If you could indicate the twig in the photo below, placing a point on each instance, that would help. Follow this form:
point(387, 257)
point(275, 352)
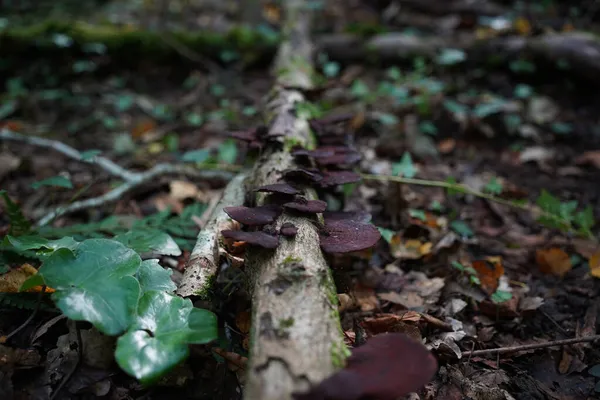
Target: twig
point(132, 179)
point(525, 347)
point(460, 188)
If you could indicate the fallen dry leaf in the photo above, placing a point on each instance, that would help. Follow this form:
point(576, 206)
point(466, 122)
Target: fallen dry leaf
point(182, 190)
point(594, 262)
point(143, 128)
point(553, 261)
point(446, 146)
point(13, 279)
point(489, 272)
point(365, 298)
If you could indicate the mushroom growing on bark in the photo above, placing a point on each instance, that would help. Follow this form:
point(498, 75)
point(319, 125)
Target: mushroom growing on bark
point(261, 215)
point(258, 238)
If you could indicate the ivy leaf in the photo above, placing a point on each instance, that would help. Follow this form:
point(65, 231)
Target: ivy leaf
point(25, 243)
point(55, 181)
point(94, 282)
point(405, 167)
point(158, 340)
point(149, 240)
point(154, 277)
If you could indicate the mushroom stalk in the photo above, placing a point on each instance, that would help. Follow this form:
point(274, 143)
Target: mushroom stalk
point(296, 336)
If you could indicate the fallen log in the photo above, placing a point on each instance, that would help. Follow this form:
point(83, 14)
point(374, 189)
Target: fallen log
point(296, 339)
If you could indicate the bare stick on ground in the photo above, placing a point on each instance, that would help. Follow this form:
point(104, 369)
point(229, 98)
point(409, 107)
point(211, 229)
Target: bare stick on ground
point(533, 346)
point(296, 338)
point(131, 179)
point(204, 260)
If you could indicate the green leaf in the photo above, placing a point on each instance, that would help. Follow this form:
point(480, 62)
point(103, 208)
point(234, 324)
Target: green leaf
point(154, 277)
point(227, 152)
point(8, 108)
point(595, 371)
point(387, 119)
point(386, 234)
point(331, 69)
point(500, 296)
point(405, 167)
point(359, 89)
point(461, 228)
point(55, 181)
point(124, 102)
point(585, 219)
point(455, 189)
point(158, 340)
point(483, 110)
point(418, 214)
point(198, 156)
point(24, 243)
point(89, 155)
point(451, 57)
point(19, 225)
point(561, 128)
point(523, 91)
point(428, 127)
point(493, 186)
point(393, 73)
point(149, 240)
point(194, 119)
point(458, 266)
point(95, 283)
point(455, 107)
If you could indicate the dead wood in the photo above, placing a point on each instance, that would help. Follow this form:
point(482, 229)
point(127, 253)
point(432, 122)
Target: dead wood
point(203, 264)
point(295, 338)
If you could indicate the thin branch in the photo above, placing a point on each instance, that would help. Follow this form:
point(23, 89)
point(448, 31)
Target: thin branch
point(461, 188)
point(131, 179)
point(109, 166)
point(525, 347)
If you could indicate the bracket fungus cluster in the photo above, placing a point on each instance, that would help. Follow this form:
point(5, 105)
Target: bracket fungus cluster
point(322, 168)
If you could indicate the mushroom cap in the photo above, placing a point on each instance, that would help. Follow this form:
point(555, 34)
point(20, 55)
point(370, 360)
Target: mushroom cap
point(261, 215)
point(307, 206)
point(303, 175)
point(257, 238)
point(358, 216)
point(332, 178)
point(279, 188)
point(346, 236)
point(288, 229)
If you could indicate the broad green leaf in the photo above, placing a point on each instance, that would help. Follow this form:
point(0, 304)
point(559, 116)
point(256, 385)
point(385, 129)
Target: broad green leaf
point(150, 240)
point(55, 181)
point(461, 228)
point(24, 243)
point(393, 73)
point(405, 167)
point(458, 266)
point(595, 371)
point(194, 119)
point(483, 110)
point(124, 102)
point(359, 89)
point(95, 283)
point(428, 127)
point(585, 218)
point(197, 156)
point(154, 277)
point(562, 128)
point(158, 340)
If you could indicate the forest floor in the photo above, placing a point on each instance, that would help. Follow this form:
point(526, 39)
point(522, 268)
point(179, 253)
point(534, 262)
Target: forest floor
point(463, 272)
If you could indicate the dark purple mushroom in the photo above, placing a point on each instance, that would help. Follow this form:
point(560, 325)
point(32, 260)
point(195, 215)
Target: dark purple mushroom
point(303, 175)
point(358, 216)
point(261, 215)
point(249, 135)
point(339, 159)
point(288, 229)
point(346, 236)
point(279, 188)
point(257, 238)
point(389, 366)
point(332, 178)
point(307, 206)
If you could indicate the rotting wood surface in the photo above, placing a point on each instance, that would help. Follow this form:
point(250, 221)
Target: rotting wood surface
point(296, 338)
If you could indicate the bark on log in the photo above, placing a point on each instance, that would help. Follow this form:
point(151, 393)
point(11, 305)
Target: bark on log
point(296, 338)
point(203, 264)
point(580, 50)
